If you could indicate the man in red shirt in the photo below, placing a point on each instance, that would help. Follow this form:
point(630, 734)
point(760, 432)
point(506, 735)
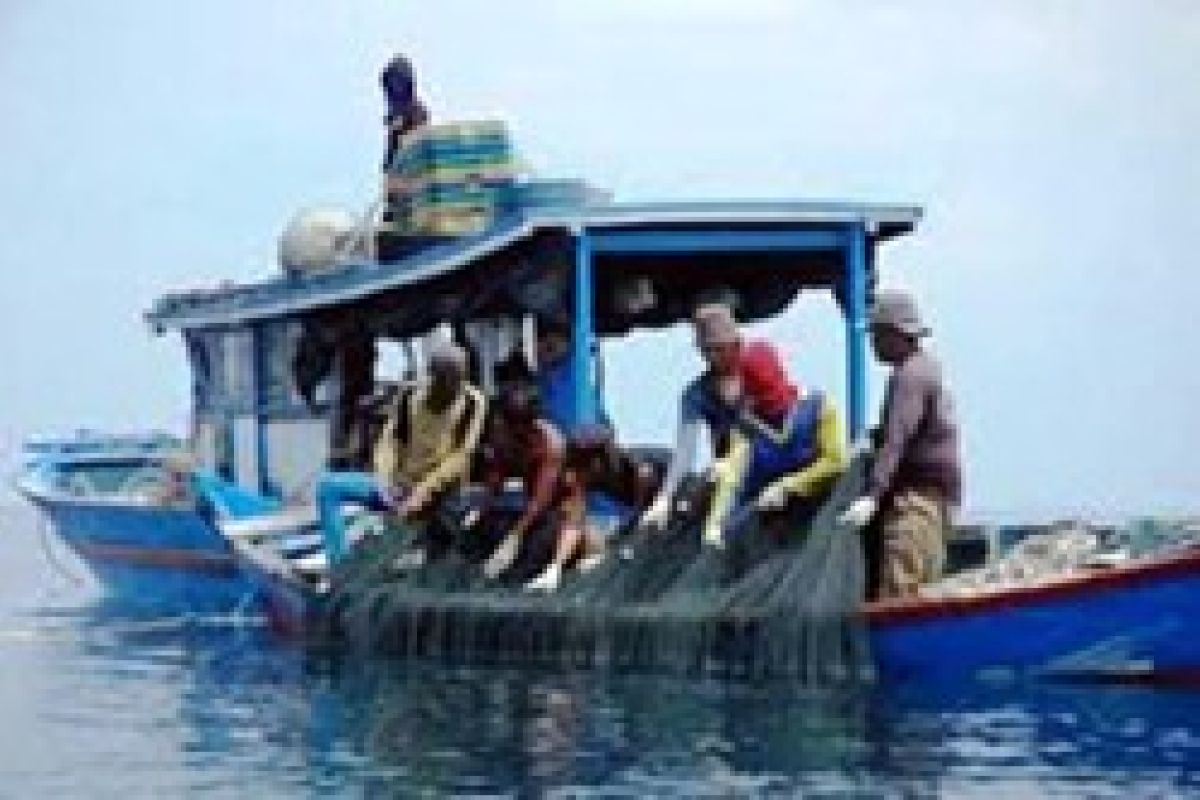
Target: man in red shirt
point(785, 446)
point(522, 444)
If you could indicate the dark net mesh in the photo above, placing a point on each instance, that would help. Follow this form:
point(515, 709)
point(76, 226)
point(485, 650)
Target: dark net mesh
point(780, 599)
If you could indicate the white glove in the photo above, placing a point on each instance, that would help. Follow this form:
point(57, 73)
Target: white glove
point(713, 537)
point(503, 557)
point(658, 515)
point(772, 497)
point(472, 518)
point(413, 503)
point(860, 447)
point(859, 513)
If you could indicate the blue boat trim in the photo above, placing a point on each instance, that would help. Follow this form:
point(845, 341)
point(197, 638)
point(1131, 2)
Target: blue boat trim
point(162, 557)
point(712, 241)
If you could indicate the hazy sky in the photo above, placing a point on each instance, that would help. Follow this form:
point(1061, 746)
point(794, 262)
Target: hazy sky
point(151, 146)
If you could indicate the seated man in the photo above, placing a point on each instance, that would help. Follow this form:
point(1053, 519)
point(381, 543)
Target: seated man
point(522, 444)
point(595, 464)
point(786, 445)
point(424, 450)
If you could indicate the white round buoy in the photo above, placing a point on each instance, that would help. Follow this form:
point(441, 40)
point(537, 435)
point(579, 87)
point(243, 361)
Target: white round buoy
point(319, 239)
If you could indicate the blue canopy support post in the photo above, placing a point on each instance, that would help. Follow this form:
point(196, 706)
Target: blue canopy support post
point(856, 328)
point(259, 343)
point(583, 333)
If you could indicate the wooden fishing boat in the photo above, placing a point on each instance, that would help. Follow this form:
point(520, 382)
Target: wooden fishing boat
point(1129, 620)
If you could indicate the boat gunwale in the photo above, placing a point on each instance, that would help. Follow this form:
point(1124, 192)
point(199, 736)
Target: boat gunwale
point(189, 559)
point(883, 613)
point(43, 496)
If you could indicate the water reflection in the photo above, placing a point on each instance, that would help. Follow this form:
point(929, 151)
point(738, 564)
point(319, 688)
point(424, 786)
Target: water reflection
point(159, 707)
point(469, 730)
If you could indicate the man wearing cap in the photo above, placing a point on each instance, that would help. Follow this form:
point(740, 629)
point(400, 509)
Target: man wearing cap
point(425, 449)
point(915, 479)
point(710, 400)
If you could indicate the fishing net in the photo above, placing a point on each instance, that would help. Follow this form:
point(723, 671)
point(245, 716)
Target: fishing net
point(780, 599)
point(1066, 550)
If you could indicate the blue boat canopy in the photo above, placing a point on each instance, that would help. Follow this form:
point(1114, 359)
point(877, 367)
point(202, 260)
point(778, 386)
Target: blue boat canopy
point(603, 268)
point(764, 251)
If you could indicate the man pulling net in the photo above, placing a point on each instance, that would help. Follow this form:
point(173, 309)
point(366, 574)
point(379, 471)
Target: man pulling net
point(683, 596)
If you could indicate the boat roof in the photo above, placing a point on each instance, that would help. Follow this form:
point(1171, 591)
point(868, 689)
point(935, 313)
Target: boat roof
point(289, 295)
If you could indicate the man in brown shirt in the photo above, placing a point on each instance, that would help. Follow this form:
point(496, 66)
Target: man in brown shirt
point(915, 478)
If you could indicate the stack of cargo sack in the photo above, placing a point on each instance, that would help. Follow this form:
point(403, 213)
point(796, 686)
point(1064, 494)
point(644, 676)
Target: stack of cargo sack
point(451, 179)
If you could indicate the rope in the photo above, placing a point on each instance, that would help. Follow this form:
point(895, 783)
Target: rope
point(52, 559)
point(361, 240)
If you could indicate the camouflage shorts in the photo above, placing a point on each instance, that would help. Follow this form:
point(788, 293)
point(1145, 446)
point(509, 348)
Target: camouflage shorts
point(914, 526)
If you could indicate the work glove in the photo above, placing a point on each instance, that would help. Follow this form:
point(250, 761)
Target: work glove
point(658, 515)
point(547, 581)
point(472, 518)
point(860, 447)
point(713, 536)
point(412, 504)
point(503, 557)
point(391, 497)
point(773, 497)
point(859, 513)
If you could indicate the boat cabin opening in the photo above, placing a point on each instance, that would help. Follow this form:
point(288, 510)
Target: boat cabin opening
point(281, 369)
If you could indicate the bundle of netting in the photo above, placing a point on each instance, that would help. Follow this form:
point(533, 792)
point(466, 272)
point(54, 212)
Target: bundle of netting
point(781, 598)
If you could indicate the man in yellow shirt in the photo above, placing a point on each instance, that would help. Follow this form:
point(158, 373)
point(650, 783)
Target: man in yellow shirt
point(424, 450)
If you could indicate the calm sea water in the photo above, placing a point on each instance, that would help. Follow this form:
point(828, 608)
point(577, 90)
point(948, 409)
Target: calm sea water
point(94, 703)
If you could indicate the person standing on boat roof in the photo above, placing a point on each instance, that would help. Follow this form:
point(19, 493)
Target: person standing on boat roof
point(915, 480)
point(786, 446)
point(424, 450)
point(405, 114)
point(711, 401)
point(405, 111)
